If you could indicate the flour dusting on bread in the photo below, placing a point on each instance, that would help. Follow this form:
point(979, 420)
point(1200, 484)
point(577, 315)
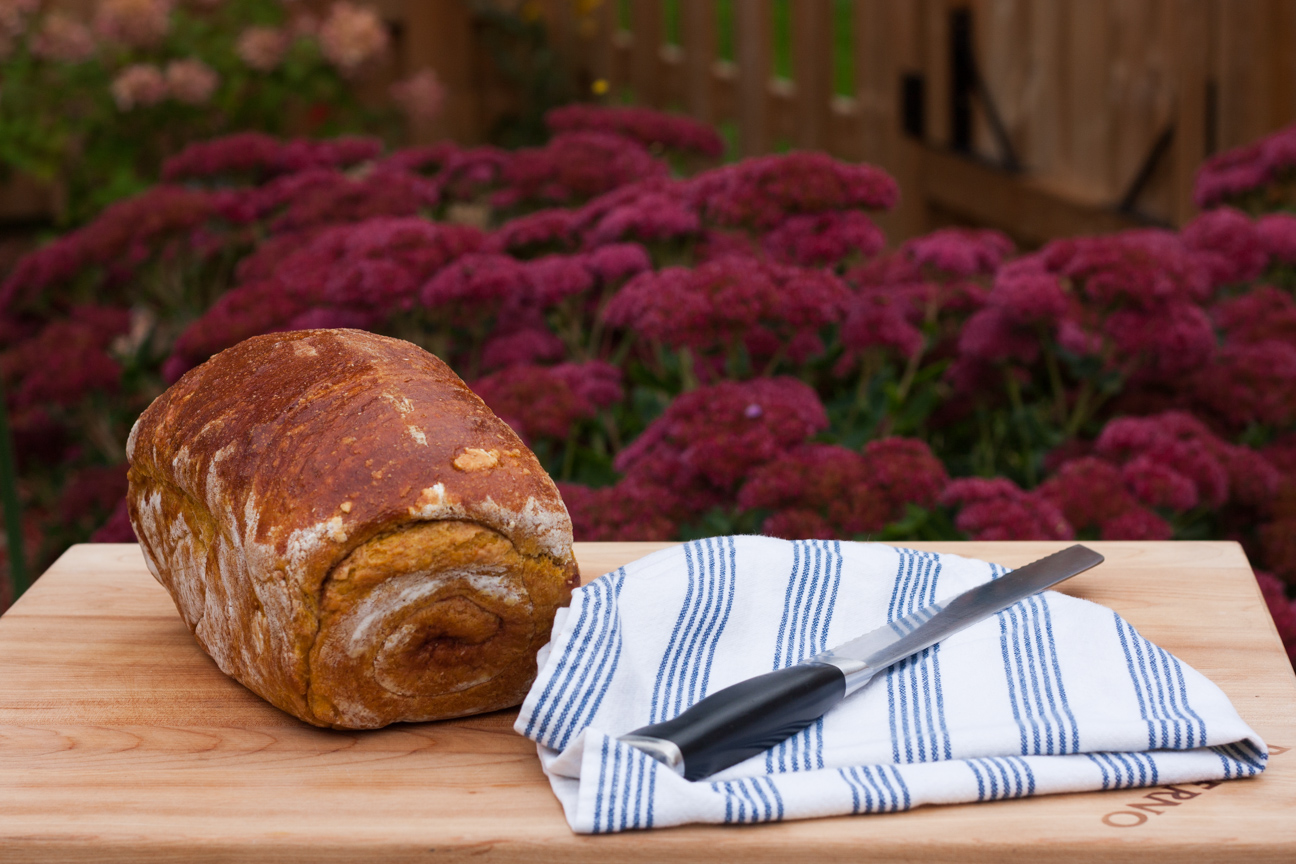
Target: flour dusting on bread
point(354, 567)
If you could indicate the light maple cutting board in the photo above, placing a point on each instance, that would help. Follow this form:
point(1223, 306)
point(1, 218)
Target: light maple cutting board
point(120, 741)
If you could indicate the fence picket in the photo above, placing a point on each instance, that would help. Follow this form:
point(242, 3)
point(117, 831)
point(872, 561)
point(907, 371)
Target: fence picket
point(1084, 88)
point(699, 37)
point(753, 33)
point(645, 52)
point(812, 63)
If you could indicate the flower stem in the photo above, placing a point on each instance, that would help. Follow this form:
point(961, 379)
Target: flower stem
point(687, 375)
point(1055, 381)
point(1019, 418)
point(569, 454)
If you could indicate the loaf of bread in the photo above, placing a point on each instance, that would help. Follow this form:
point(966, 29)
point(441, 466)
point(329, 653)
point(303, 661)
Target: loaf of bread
point(349, 531)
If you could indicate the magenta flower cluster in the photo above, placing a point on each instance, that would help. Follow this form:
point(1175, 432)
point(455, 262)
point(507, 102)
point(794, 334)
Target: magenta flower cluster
point(1259, 175)
point(731, 350)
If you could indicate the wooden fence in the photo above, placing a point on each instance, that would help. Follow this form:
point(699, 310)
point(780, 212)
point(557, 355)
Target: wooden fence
point(1041, 117)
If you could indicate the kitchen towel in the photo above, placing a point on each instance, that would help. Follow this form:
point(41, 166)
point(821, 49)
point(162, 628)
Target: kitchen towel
point(1055, 694)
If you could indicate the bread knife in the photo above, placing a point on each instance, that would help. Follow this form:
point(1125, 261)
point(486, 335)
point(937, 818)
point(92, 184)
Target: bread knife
point(752, 716)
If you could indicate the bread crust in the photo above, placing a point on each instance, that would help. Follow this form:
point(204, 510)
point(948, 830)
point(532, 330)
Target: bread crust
point(260, 472)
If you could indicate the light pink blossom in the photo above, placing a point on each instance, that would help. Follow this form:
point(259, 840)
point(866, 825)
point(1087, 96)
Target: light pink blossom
point(63, 39)
point(191, 81)
point(351, 35)
point(134, 23)
point(421, 96)
point(262, 48)
point(139, 86)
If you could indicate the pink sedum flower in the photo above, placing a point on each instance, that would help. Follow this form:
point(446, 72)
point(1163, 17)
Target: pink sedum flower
point(1250, 383)
point(1242, 170)
point(648, 127)
point(823, 239)
point(541, 401)
point(1159, 485)
point(421, 96)
point(118, 528)
point(648, 217)
point(904, 471)
point(258, 157)
point(574, 166)
point(874, 319)
point(800, 523)
point(596, 381)
point(721, 432)
point(1169, 343)
point(126, 234)
point(996, 509)
point(133, 23)
point(995, 336)
point(700, 307)
point(262, 48)
point(1089, 491)
point(618, 261)
point(480, 280)
point(554, 227)
point(63, 39)
point(1278, 234)
point(66, 360)
point(92, 491)
point(191, 81)
point(626, 511)
point(1137, 523)
point(818, 485)
point(1029, 298)
point(714, 244)
point(1146, 268)
point(763, 191)
point(1230, 173)
point(1176, 440)
point(1228, 244)
point(376, 265)
point(837, 492)
point(554, 278)
point(318, 197)
point(1254, 480)
point(351, 35)
point(807, 298)
point(138, 86)
point(527, 346)
point(960, 252)
point(1261, 314)
point(249, 310)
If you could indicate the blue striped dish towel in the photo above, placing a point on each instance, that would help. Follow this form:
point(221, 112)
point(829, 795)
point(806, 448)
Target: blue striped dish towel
point(1055, 694)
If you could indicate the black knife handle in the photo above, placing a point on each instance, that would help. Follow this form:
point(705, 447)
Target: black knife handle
point(748, 718)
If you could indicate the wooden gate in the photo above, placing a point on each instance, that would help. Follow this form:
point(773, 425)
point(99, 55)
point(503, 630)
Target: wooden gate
point(1041, 117)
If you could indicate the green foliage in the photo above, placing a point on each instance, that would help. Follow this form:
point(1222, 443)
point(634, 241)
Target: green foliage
point(59, 121)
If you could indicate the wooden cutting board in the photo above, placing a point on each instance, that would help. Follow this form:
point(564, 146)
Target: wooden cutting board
point(120, 741)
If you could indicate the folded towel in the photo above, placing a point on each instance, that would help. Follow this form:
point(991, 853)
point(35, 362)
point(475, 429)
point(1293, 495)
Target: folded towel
point(1054, 694)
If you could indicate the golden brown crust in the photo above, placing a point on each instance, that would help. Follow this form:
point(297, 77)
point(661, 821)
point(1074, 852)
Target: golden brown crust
point(262, 470)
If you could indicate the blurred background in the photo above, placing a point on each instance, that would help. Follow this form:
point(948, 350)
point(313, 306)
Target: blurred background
point(1040, 117)
point(1003, 269)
